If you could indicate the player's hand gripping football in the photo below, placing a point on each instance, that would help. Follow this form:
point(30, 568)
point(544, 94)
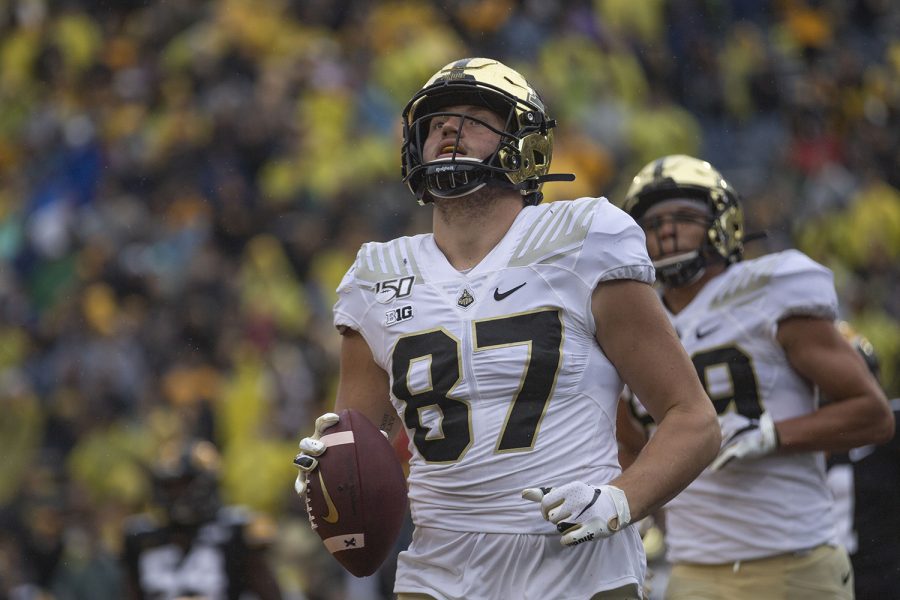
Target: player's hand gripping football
point(756, 440)
point(310, 449)
point(582, 512)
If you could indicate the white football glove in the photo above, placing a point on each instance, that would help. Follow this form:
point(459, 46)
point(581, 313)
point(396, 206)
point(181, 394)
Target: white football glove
point(582, 512)
point(753, 441)
point(310, 448)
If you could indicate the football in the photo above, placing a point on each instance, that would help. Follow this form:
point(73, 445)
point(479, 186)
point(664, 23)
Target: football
point(356, 498)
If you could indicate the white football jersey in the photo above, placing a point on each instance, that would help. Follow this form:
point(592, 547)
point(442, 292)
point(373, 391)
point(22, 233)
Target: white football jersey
point(495, 372)
point(776, 504)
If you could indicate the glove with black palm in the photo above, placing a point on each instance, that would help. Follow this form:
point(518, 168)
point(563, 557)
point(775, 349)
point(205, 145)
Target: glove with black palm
point(582, 512)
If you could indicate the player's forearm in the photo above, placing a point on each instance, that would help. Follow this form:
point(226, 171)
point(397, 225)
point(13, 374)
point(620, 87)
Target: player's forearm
point(839, 426)
point(380, 413)
point(630, 435)
point(685, 442)
point(364, 385)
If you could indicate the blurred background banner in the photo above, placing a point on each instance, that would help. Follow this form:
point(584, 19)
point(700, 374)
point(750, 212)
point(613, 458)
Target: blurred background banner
point(183, 184)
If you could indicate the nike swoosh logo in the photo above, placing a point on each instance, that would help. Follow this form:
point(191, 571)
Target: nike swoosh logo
point(332, 516)
point(702, 333)
point(591, 503)
point(564, 526)
point(846, 578)
point(498, 295)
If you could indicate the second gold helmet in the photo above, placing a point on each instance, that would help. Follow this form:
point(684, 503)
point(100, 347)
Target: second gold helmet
point(678, 176)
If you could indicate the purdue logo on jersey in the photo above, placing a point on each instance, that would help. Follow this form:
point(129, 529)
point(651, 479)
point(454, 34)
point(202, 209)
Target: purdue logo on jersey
point(466, 299)
point(390, 289)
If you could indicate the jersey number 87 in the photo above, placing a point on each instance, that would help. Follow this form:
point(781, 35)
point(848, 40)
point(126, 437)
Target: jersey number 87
point(540, 331)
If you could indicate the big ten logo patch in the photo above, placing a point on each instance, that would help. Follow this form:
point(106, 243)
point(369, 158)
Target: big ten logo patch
point(398, 315)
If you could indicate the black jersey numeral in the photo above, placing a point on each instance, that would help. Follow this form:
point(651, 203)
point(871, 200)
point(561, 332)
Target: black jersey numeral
point(744, 396)
point(744, 387)
point(541, 331)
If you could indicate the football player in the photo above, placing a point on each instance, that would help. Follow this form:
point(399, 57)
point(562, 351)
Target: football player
point(501, 340)
point(761, 335)
point(866, 486)
point(195, 547)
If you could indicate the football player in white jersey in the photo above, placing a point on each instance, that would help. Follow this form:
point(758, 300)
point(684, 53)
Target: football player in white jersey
point(761, 335)
point(865, 483)
point(502, 340)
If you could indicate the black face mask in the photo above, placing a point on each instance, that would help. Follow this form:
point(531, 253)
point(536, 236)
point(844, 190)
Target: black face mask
point(680, 266)
point(456, 175)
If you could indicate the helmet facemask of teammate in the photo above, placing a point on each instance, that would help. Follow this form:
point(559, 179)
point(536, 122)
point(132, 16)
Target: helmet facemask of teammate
point(694, 193)
point(676, 231)
point(521, 158)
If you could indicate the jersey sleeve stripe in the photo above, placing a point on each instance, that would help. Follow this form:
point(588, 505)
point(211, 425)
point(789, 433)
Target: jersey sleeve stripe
point(385, 261)
point(411, 257)
point(557, 234)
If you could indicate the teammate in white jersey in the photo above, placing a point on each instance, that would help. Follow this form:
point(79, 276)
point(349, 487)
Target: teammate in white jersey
point(502, 340)
point(761, 336)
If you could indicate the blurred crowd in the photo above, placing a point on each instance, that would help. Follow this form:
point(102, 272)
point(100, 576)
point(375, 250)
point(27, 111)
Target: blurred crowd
point(183, 184)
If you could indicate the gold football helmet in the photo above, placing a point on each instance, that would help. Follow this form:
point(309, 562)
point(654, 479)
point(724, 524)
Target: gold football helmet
point(522, 158)
point(683, 177)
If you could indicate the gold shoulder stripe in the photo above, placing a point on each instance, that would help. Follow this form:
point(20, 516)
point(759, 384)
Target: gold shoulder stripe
point(389, 260)
point(755, 276)
point(559, 231)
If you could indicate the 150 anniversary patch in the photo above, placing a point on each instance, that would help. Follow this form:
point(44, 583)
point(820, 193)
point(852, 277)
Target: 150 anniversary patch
point(390, 289)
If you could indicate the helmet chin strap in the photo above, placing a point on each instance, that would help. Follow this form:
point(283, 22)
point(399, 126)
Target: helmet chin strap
point(681, 269)
point(455, 177)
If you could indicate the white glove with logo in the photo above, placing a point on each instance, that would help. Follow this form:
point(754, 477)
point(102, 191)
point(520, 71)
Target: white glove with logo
point(310, 448)
point(756, 440)
point(582, 512)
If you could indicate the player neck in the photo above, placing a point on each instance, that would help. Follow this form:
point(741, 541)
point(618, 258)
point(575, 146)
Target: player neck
point(677, 298)
point(466, 229)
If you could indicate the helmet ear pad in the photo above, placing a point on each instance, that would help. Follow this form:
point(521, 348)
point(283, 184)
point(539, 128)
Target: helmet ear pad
point(529, 158)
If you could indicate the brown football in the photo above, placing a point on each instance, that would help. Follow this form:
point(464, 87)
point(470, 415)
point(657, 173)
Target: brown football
point(356, 498)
